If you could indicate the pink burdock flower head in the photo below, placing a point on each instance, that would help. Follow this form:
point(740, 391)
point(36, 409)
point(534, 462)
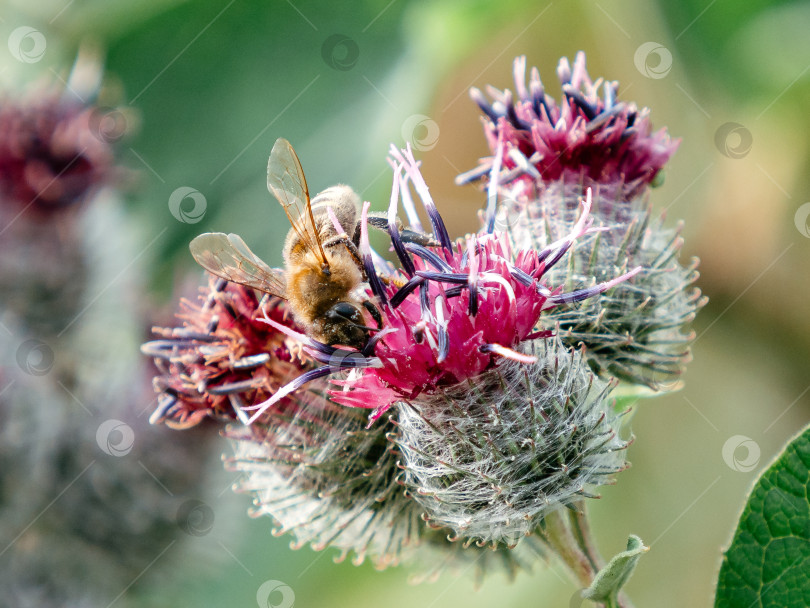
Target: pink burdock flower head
point(224, 358)
point(589, 137)
point(450, 313)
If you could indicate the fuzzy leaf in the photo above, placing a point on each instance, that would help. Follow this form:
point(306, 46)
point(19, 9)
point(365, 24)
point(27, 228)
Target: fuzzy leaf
point(610, 579)
point(768, 563)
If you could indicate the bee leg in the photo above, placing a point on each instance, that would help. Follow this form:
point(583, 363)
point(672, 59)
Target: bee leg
point(380, 222)
point(374, 312)
point(343, 239)
point(419, 238)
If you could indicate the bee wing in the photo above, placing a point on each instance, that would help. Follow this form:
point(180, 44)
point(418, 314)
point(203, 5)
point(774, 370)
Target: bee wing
point(229, 257)
point(286, 181)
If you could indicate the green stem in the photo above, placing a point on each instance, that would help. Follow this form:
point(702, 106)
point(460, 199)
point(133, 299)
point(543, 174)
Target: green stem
point(558, 536)
point(581, 530)
point(571, 539)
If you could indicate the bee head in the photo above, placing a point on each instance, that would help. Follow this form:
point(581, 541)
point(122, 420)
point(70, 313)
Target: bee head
point(345, 324)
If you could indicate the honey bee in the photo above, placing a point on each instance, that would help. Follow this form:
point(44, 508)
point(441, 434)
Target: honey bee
point(323, 268)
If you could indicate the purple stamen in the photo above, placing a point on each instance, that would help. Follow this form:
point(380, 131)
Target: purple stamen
point(560, 253)
point(424, 302)
point(377, 287)
point(429, 256)
point(579, 99)
point(406, 158)
point(519, 74)
point(441, 323)
point(444, 277)
point(473, 174)
point(405, 291)
point(478, 97)
point(393, 231)
point(588, 292)
point(604, 117)
point(288, 388)
point(368, 349)
point(492, 187)
point(472, 307)
point(409, 206)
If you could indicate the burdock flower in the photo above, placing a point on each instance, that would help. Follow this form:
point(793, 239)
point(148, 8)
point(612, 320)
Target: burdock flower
point(497, 427)
point(54, 150)
point(224, 358)
point(545, 157)
point(308, 463)
point(588, 139)
point(451, 312)
point(492, 424)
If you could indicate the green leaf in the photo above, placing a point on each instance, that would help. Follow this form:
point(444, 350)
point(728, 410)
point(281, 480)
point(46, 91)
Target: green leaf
point(768, 563)
point(610, 579)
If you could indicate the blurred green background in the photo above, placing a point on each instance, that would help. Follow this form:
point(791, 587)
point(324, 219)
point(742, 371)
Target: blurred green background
point(213, 84)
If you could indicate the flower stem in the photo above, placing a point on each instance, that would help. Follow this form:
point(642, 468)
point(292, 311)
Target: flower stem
point(560, 539)
point(570, 538)
point(581, 529)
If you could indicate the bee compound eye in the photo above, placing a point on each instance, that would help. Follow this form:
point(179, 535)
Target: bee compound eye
point(347, 311)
